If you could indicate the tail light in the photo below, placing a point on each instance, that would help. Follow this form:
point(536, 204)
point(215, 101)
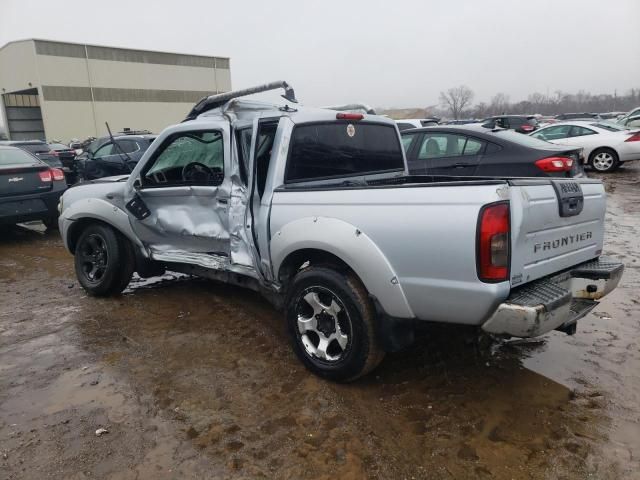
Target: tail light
point(57, 174)
point(493, 243)
point(555, 164)
point(634, 137)
point(54, 153)
point(53, 174)
point(45, 176)
point(527, 128)
point(349, 116)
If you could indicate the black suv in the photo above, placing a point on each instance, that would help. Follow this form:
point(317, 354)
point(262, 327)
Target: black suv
point(519, 123)
point(105, 158)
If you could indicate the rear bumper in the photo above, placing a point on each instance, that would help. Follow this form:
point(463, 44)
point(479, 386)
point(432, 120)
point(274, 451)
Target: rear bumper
point(25, 208)
point(555, 303)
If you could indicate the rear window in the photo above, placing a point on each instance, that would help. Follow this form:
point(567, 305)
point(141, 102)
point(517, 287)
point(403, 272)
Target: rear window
point(10, 156)
point(342, 149)
point(405, 126)
point(611, 127)
point(33, 148)
point(521, 139)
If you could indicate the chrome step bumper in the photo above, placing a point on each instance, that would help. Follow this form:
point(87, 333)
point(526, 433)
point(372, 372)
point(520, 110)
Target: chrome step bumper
point(557, 302)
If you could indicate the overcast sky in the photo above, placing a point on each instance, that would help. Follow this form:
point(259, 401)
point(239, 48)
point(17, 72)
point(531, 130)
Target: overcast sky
point(377, 52)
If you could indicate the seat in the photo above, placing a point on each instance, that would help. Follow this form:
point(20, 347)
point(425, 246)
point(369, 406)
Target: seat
point(432, 149)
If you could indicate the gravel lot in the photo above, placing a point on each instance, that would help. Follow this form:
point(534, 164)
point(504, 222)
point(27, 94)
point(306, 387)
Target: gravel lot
point(194, 379)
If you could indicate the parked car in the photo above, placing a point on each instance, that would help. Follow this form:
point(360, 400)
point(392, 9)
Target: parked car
point(408, 123)
point(56, 155)
point(630, 122)
point(465, 121)
point(543, 121)
point(29, 188)
point(475, 151)
point(585, 116)
point(91, 144)
point(112, 158)
point(314, 209)
point(631, 113)
point(611, 115)
point(39, 148)
point(519, 123)
point(606, 145)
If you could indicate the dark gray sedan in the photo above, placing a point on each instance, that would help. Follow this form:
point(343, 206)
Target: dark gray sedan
point(29, 188)
point(477, 151)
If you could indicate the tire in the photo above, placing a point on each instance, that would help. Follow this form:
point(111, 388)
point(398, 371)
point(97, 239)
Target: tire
point(331, 324)
point(104, 261)
point(604, 160)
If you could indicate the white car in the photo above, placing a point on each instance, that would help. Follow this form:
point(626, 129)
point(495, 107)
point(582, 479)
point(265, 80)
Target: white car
point(606, 145)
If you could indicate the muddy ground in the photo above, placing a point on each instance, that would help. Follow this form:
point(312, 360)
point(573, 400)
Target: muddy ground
point(194, 379)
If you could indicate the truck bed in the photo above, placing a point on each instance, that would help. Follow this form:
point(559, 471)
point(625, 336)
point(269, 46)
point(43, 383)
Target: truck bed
point(426, 229)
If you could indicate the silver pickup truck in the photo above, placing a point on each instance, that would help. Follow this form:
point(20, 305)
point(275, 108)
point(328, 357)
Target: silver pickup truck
point(314, 208)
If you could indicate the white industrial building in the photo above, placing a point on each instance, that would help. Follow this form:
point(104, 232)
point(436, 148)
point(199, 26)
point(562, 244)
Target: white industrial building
point(55, 90)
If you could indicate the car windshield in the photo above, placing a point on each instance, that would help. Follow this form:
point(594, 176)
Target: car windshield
point(612, 127)
point(15, 156)
point(93, 146)
point(58, 146)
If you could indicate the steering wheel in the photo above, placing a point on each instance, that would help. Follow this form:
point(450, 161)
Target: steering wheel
point(196, 172)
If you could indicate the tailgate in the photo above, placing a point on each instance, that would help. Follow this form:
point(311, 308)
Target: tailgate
point(556, 224)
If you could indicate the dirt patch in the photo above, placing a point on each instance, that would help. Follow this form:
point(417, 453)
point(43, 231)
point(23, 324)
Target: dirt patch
point(194, 379)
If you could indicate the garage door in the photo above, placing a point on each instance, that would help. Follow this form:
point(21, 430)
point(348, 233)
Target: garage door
point(24, 117)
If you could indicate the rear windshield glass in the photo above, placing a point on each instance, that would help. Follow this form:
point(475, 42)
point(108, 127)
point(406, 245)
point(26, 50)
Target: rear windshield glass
point(342, 149)
point(521, 139)
point(10, 156)
point(33, 148)
point(612, 127)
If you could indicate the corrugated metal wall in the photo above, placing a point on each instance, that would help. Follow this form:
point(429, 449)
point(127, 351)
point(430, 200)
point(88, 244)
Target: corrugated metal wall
point(24, 116)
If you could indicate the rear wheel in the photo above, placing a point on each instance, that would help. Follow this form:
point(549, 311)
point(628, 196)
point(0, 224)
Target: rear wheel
point(604, 160)
point(104, 261)
point(331, 324)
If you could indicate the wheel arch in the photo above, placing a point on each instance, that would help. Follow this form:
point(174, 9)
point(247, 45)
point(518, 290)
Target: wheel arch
point(323, 240)
point(595, 150)
point(85, 212)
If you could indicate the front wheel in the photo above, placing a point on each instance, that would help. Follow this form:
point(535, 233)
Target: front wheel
point(331, 324)
point(104, 261)
point(604, 160)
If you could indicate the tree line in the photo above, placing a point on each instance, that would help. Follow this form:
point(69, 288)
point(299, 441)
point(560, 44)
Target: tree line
point(457, 102)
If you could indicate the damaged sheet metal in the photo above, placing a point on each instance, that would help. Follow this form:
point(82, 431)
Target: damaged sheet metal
point(190, 219)
point(240, 252)
point(205, 260)
point(217, 101)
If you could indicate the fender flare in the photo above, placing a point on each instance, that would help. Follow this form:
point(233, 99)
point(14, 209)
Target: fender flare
point(353, 247)
point(98, 209)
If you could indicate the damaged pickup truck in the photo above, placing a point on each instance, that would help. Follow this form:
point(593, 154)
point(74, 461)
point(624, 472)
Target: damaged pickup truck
point(314, 208)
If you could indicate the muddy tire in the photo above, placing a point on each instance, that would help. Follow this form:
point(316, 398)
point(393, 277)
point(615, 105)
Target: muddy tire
point(104, 261)
point(604, 160)
point(331, 323)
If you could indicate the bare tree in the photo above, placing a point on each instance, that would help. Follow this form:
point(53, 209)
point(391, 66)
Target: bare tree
point(456, 99)
point(499, 104)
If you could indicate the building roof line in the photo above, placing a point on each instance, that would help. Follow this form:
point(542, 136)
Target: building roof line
point(111, 46)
